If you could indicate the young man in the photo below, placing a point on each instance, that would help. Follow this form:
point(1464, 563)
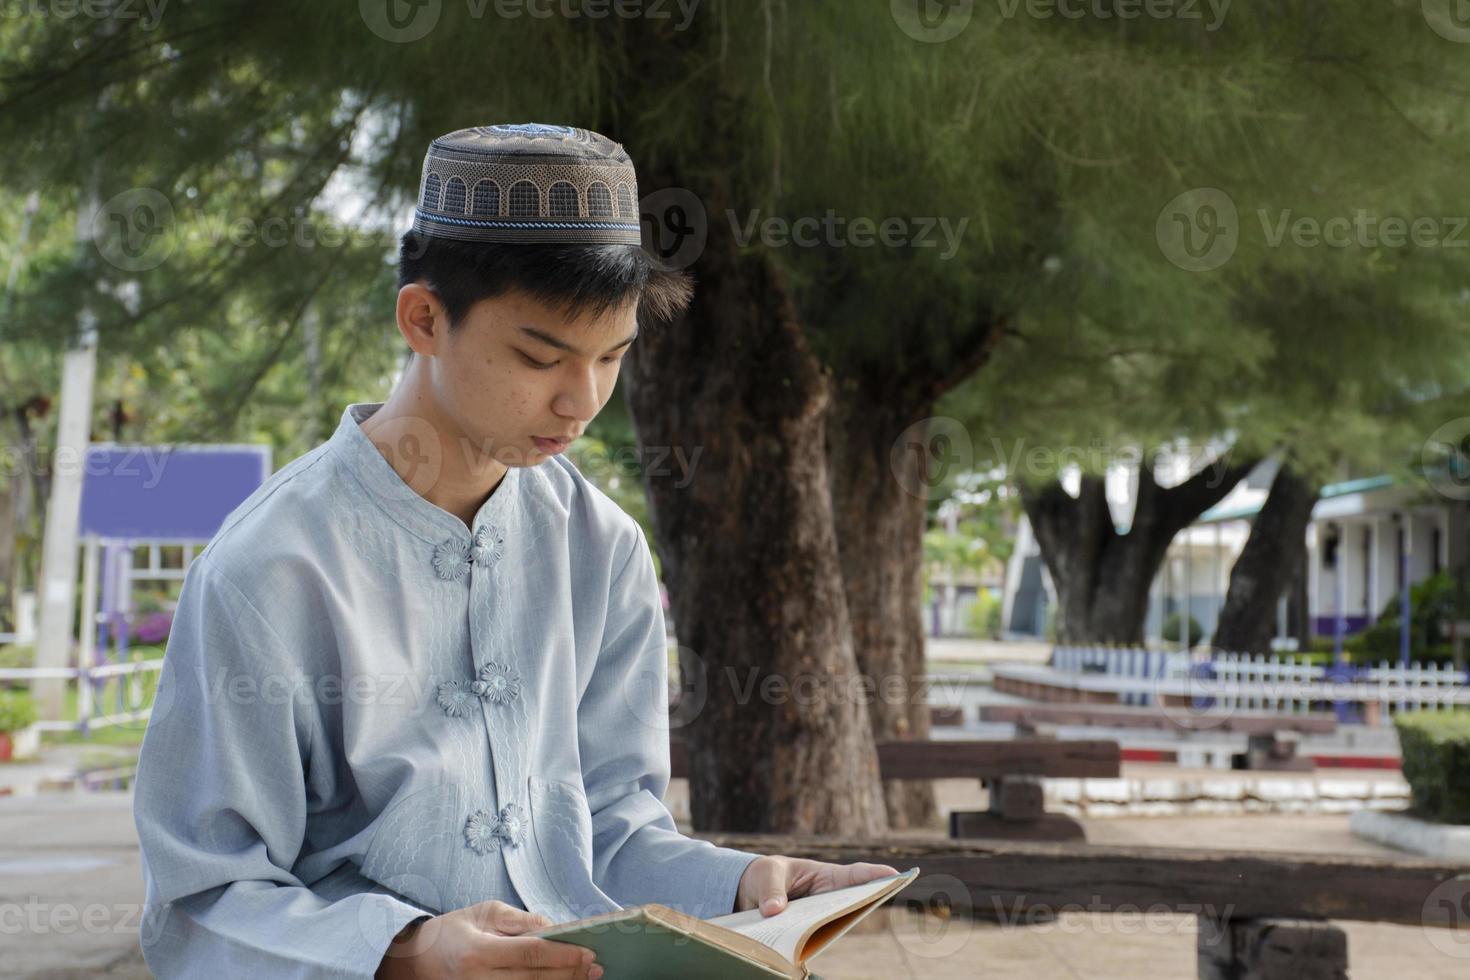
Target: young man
point(414, 704)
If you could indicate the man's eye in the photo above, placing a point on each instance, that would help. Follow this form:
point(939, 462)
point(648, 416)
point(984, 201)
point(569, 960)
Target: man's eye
point(612, 358)
point(538, 365)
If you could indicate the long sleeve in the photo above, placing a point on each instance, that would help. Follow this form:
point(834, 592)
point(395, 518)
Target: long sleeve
point(220, 803)
point(639, 856)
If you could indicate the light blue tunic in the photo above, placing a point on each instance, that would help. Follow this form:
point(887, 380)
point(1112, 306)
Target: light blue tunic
point(368, 712)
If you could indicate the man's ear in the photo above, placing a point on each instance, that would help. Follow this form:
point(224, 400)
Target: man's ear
point(422, 319)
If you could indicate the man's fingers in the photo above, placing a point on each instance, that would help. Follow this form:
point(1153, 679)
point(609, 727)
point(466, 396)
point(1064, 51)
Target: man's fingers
point(541, 955)
point(579, 973)
point(522, 924)
point(856, 874)
point(507, 920)
point(516, 973)
point(770, 887)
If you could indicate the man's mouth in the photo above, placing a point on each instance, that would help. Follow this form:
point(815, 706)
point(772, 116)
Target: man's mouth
point(551, 446)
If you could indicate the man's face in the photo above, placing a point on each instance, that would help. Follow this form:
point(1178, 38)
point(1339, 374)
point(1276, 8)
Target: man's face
point(522, 380)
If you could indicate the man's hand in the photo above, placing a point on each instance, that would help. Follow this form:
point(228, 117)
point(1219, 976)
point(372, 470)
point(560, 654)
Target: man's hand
point(769, 881)
point(484, 940)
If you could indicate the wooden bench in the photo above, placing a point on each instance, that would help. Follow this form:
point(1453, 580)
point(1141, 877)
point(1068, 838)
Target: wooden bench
point(1274, 752)
point(1113, 716)
point(948, 716)
point(1262, 915)
point(1013, 769)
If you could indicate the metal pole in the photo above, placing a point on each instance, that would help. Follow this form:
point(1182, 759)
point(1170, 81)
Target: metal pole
point(73, 432)
point(1188, 588)
point(63, 518)
point(89, 632)
point(1338, 594)
point(1405, 610)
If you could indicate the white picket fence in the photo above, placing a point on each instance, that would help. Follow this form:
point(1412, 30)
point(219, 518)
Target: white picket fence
point(129, 703)
point(1288, 684)
point(91, 682)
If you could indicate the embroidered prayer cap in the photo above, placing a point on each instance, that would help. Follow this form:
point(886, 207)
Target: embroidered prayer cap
point(528, 183)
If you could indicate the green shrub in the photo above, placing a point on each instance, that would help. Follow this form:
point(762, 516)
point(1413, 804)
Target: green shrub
point(984, 615)
point(1433, 603)
point(16, 655)
point(16, 711)
point(1436, 751)
point(1171, 631)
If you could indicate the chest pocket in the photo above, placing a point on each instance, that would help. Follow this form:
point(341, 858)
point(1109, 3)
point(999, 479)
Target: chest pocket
point(410, 850)
point(561, 823)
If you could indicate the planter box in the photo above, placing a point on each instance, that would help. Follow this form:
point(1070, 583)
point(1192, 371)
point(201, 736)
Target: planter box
point(27, 742)
point(21, 745)
point(1447, 842)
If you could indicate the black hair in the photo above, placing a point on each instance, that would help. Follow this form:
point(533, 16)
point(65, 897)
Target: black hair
point(574, 278)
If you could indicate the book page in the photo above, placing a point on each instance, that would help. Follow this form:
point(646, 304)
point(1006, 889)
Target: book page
point(785, 930)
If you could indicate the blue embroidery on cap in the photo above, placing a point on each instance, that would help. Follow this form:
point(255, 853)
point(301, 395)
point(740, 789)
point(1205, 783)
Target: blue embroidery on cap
point(534, 129)
point(505, 223)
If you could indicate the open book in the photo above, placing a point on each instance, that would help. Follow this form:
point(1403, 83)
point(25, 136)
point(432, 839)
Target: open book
point(654, 942)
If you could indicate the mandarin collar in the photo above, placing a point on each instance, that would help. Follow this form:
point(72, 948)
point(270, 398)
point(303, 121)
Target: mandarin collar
point(404, 504)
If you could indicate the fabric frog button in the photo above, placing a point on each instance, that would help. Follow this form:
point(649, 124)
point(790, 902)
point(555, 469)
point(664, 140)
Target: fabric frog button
point(454, 556)
point(457, 698)
point(497, 683)
point(486, 828)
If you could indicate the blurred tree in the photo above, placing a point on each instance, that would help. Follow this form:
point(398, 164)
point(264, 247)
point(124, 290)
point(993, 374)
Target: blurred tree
point(1231, 273)
point(793, 547)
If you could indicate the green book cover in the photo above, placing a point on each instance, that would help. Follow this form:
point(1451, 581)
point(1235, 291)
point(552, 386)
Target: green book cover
point(654, 942)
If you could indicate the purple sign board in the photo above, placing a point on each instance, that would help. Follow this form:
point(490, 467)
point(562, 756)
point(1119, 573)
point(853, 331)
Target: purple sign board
point(161, 493)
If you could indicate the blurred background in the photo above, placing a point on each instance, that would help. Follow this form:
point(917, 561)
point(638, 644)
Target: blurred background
point(1087, 381)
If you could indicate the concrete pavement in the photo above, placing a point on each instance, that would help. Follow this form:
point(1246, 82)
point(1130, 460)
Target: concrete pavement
point(71, 887)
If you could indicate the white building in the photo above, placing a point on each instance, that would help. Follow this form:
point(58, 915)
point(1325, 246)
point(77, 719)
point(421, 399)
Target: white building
point(1363, 535)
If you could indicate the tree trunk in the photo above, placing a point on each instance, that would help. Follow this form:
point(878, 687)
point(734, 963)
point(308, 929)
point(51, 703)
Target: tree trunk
point(880, 518)
point(782, 744)
point(1103, 577)
point(9, 504)
point(1267, 565)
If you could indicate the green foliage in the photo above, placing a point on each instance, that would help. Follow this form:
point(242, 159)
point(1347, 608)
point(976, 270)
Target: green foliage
point(16, 710)
point(1058, 141)
point(16, 655)
point(1432, 602)
point(1436, 754)
point(984, 615)
point(1174, 629)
